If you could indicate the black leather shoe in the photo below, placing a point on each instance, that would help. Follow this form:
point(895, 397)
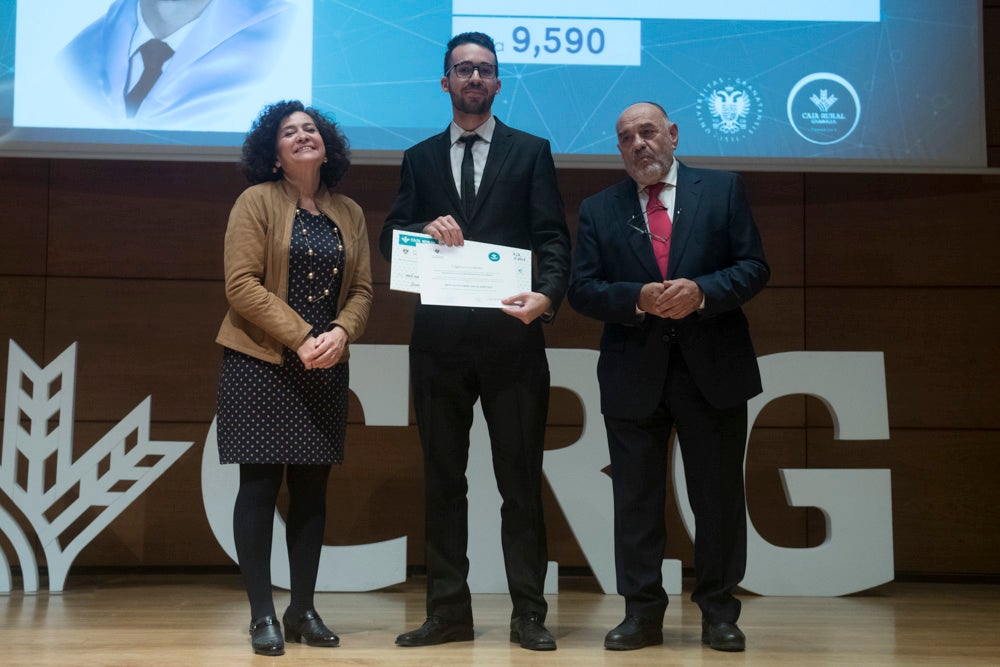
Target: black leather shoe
point(633, 633)
point(436, 630)
point(309, 629)
point(265, 636)
point(723, 636)
point(528, 631)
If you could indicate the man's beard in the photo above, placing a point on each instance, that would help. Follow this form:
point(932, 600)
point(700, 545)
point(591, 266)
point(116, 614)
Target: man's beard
point(474, 108)
point(654, 169)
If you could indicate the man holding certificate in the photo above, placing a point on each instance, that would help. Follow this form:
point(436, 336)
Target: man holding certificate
point(484, 182)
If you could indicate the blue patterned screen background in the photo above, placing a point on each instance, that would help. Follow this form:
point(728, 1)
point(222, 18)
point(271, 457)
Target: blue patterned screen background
point(896, 85)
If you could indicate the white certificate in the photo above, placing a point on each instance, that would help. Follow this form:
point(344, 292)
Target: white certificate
point(404, 273)
point(477, 275)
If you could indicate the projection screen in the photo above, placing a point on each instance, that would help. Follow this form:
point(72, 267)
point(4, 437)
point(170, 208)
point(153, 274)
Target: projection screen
point(867, 85)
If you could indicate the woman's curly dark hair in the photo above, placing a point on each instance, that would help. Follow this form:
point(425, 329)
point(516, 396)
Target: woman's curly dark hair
point(259, 147)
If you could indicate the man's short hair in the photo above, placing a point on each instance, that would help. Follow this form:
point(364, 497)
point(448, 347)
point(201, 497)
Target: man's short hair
point(478, 38)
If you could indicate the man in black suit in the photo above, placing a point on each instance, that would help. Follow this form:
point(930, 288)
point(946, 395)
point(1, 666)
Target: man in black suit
point(496, 355)
point(676, 352)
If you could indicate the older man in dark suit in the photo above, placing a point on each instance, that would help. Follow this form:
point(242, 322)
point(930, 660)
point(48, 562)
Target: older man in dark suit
point(483, 181)
point(666, 259)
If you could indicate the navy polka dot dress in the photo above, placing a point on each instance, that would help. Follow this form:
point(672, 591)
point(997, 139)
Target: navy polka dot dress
point(287, 414)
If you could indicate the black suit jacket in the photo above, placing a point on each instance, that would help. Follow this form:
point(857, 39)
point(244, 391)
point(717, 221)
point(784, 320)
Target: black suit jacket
point(715, 243)
point(518, 204)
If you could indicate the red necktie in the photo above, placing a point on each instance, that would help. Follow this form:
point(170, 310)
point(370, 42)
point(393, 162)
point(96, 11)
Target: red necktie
point(659, 226)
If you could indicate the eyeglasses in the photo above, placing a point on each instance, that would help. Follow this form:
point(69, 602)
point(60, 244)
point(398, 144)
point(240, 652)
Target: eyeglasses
point(464, 70)
point(644, 230)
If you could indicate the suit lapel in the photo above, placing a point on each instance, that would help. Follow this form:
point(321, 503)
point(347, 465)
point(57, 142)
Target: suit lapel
point(627, 196)
point(441, 165)
point(685, 213)
point(500, 147)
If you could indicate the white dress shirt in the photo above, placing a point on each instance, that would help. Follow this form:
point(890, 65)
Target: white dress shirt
point(480, 150)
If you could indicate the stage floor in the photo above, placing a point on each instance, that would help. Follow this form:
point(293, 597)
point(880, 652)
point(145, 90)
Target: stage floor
point(201, 619)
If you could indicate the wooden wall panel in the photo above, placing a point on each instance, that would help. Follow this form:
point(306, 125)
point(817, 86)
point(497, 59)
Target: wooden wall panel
point(24, 205)
point(776, 316)
point(577, 185)
point(776, 200)
point(891, 230)
point(22, 317)
point(944, 494)
point(940, 345)
point(118, 219)
point(374, 189)
point(391, 317)
point(139, 338)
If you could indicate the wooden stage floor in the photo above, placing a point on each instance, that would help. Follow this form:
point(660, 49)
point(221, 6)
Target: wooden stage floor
point(200, 619)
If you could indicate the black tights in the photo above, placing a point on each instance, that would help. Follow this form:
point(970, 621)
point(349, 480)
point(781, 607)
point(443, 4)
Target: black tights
point(253, 520)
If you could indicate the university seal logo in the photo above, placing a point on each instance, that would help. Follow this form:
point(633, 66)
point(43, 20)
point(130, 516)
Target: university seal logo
point(729, 109)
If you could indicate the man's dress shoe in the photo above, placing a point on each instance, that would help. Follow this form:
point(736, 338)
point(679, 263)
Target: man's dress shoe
point(436, 630)
point(633, 633)
point(723, 636)
point(528, 631)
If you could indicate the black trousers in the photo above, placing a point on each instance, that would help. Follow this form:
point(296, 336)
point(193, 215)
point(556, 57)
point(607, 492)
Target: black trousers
point(713, 444)
point(513, 387)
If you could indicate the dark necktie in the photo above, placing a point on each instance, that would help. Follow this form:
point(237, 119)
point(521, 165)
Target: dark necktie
point(468, 175)
point(154, 54)
point(659, 226)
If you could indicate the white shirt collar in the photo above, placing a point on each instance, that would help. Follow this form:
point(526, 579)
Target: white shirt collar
point(485, 131)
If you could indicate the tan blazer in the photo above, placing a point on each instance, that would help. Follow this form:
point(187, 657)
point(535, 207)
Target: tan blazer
point(260, 322)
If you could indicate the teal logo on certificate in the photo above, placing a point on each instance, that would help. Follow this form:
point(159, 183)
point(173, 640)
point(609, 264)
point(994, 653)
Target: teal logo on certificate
point(494, 256)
